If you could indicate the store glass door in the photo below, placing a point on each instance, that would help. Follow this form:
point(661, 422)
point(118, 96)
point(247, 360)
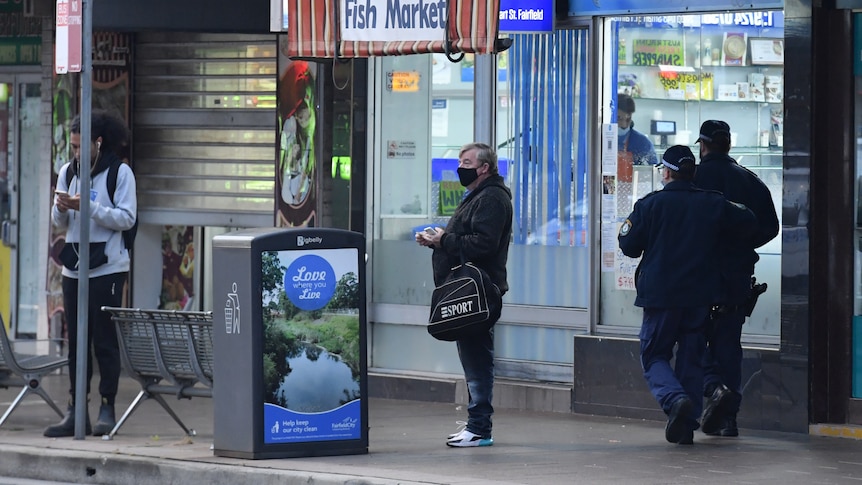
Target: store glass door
point(20, 166)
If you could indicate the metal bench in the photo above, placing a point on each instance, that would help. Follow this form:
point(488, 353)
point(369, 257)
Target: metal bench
point(167, 352)
point(25, 370)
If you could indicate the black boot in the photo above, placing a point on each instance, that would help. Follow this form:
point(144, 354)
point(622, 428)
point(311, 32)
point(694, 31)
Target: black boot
point(728, 427)
point(677, 430)
point(107, 419)
point(716, 409)
point(66, 427)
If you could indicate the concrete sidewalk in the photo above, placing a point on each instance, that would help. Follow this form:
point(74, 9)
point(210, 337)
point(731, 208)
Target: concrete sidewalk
point(407, 447)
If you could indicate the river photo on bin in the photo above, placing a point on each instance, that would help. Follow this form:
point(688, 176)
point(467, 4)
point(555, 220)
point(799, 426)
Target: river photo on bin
point(311, 361)
point(317, 381)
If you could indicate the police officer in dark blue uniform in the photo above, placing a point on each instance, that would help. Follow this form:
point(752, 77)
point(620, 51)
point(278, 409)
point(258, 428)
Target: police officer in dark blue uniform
point(723, 359)
point(679, 231)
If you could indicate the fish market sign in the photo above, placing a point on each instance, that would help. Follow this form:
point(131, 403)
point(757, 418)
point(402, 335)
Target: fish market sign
point(393, 20)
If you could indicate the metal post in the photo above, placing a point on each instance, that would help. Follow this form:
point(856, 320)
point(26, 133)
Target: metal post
point(485, 99)
point(84, 221)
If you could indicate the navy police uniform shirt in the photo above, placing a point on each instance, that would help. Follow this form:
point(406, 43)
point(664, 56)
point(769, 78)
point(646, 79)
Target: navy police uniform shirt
point(679, 230)
point(720, 172)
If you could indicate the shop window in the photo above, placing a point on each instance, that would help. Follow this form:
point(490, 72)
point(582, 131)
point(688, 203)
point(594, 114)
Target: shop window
point(678, 72)
point(541, 115)
point(427, 115)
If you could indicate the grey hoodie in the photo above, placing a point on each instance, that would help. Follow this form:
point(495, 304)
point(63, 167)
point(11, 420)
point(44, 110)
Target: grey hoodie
point(107, 220)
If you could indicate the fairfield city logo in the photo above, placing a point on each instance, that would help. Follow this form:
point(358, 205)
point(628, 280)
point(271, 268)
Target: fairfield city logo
point(456, 309)
point(346, 424)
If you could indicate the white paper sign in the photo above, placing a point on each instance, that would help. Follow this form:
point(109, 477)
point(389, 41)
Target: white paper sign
point(609, 148)
point(439, 118)
point(624, 271)
point(609, 245)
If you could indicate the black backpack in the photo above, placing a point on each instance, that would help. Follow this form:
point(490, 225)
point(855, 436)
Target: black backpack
point(113, 170)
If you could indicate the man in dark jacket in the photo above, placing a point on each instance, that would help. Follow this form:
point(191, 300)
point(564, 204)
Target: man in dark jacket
point(479, 231)
point(679, 231)
point(636, 147)
point(723, 360)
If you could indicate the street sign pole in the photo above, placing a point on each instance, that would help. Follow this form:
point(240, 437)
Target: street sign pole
point(84, 249)
point(67, 41)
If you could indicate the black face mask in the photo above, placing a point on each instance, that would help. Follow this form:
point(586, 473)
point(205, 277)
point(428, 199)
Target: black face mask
point(467, 175)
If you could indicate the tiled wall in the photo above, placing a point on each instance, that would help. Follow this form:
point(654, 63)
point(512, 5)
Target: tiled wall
point(609, 381)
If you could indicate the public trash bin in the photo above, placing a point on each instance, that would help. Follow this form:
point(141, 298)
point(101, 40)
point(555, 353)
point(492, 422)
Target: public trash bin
point(290, 373)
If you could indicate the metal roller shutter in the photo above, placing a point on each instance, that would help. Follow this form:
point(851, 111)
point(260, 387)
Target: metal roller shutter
point(204, 128)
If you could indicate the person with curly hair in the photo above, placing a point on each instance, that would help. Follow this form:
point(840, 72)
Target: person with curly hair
point(109, 260)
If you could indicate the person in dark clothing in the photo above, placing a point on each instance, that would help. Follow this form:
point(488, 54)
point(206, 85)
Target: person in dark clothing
point(109, 259)
point(479, 231)
point(723, 358)
point(635, 147)
point(679, 231)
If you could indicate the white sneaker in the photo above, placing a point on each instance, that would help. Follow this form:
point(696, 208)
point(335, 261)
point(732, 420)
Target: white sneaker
point(466, 438)
point(461, 426)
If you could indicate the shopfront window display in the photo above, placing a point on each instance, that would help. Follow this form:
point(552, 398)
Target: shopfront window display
point(537, 143)
point(681, 70)
point(426, 113)
point(297, 156)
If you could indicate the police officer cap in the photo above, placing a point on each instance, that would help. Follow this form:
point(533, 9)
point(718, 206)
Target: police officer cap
point(677, 157)
point(713, 131)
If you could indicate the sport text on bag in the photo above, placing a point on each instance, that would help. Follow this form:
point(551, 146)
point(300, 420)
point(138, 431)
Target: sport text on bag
point(467, 303)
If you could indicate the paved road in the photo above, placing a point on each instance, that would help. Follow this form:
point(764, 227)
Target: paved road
point(407, 447)
point(24, 481)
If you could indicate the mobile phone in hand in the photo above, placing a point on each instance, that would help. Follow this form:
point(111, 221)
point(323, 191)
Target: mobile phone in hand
point(430, 231)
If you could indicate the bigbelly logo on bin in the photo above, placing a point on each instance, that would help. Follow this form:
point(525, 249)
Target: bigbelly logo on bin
point(303, 240)
point(310, 282)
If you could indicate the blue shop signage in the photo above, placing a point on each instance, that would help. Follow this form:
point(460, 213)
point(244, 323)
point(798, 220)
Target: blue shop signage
point(617, 7)
point(755, 20)
point(526, 16)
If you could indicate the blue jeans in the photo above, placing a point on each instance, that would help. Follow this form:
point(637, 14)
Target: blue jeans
point(663, 328)
point(477, 359)
point(722, 362)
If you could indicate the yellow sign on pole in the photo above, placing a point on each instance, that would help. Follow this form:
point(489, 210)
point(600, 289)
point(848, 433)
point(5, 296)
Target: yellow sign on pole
point(451, 194)
point(405, 82)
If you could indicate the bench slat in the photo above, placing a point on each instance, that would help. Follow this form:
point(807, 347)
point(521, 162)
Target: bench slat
point(166, 351)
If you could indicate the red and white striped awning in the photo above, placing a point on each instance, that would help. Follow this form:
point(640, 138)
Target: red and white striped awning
point(364, 28)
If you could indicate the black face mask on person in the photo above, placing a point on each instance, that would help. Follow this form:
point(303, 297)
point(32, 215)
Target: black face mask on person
point(467, 175)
